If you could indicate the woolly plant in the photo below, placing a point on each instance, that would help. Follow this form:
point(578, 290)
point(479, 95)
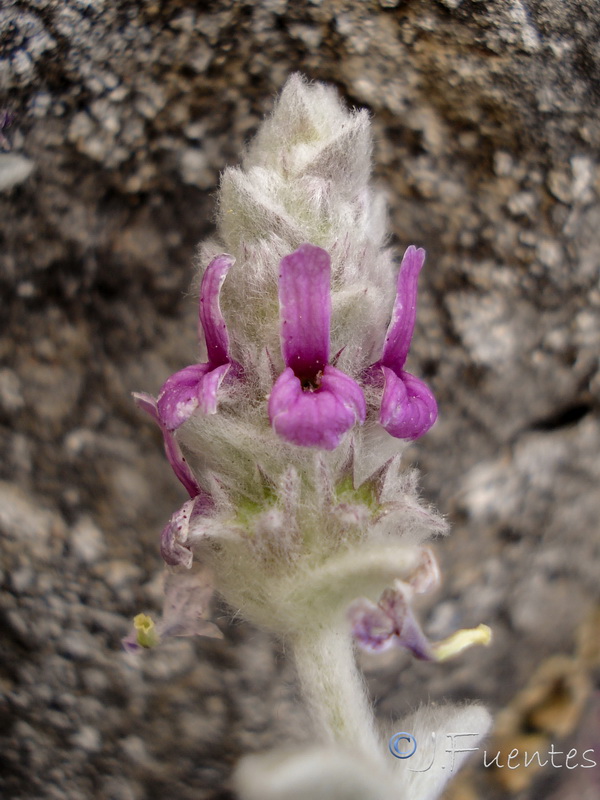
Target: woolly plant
point(288, 436)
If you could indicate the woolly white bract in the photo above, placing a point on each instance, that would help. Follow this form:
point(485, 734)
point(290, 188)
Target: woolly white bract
point(300, 508)
point(338, 773)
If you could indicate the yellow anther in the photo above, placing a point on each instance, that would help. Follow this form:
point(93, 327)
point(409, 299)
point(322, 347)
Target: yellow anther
point(461, 640)
point(146, 631)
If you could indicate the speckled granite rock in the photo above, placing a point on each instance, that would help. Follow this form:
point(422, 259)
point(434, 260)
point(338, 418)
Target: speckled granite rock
point(487, 126)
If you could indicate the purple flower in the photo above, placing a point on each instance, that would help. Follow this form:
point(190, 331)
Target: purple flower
point(174, 536)
point(312, 403)
point(408, 407)
point(196, 386)
point(173, 452)
point(390, 623)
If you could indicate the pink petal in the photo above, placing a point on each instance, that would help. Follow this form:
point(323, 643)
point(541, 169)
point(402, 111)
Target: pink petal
point(180, 466)
point(211, 321)
point(402, 324)
point(186, 605)
point(390, 623)
point(407, 631)
point(426, 577)
point(147, 403)
point(179, 395)
point(196, 386)
point(173, 452)
point(305, 310)
point(408, 407)
point(130, 643)
point(318, 418)
point(208, 388)
point(412, 638)
point(174, 537)
point(371, 626)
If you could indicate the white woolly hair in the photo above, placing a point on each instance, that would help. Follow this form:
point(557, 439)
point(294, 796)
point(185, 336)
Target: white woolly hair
point(338, 773)
point(293, 536)
point(305, 178)
point(324, 773)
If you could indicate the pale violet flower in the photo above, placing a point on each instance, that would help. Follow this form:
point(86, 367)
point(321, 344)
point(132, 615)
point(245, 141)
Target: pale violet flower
point(185, 612)
point(391, 622)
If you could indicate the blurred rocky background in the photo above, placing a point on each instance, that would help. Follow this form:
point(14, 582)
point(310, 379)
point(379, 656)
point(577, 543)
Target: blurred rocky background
point(117, 118)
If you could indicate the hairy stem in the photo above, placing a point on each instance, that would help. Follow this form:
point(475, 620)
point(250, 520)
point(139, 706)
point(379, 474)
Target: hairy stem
point(334, 688)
